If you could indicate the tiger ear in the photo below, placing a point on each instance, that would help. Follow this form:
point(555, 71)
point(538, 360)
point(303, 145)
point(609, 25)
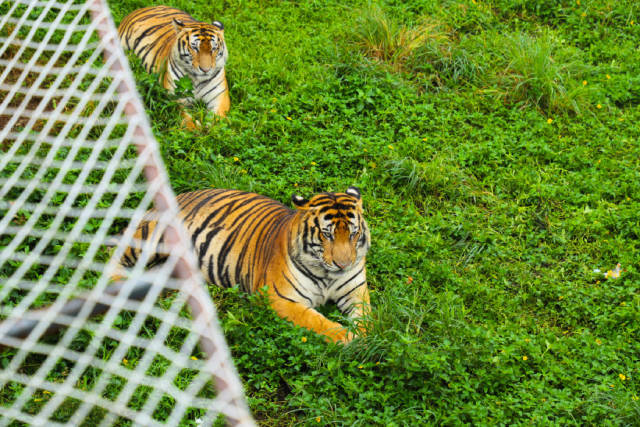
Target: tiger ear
point(178, 25)
point(299, 201)
point(218, 24)
point(353, 191)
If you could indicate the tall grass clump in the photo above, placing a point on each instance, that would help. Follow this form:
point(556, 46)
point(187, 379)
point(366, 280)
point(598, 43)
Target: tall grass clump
point(429, 53)
point(425, 180)
point(526, 68)
point(394, 44)
point(454, 64)
point(540, 71)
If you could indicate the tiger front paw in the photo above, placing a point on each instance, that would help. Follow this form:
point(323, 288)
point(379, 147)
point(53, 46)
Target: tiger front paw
point(189, 123)
point(344, 336)
point(349, 336)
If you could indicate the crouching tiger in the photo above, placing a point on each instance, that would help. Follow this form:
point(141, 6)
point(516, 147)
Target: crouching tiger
point(171, 42)
point(305, 257)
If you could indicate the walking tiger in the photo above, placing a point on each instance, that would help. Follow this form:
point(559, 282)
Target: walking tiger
point(171, 42)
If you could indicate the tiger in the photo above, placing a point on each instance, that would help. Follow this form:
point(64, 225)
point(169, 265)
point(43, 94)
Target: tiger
point(305, 257)
point(173, 43)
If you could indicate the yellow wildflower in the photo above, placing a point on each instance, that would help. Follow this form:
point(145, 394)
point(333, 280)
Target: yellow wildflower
point(527, 340)
point(608, 77)
point(631, 23)
point(613, 274)
point(273, 110)
point(549, 120)
point(578, 2)
point(125, 361)
point(194, 358)
point(235, 159)
point(390, 146)
point(289, 118)
point(598, 106)
point(303, 339)
point(360, 366)
point(584, 14)
point(313, 163)
point(598, 341)
point(318, 419)
point(424, 139)
point(584, 83)
point(525, 358)
point(622, 377)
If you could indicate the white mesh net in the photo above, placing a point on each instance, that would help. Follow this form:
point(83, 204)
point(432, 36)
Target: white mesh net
point(78, 169)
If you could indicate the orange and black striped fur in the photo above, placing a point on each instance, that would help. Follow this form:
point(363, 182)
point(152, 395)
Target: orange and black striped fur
point(172, 42)
point(306, 257)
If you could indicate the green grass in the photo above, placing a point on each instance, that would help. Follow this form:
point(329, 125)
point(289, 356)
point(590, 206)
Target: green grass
point(494, 186)
point(494, 182)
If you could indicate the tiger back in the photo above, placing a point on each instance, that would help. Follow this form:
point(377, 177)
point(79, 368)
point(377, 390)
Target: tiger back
point(305, 257)
point(171, 42)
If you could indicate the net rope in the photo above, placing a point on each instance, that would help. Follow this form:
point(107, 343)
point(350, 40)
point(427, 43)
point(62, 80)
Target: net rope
point(83, 341)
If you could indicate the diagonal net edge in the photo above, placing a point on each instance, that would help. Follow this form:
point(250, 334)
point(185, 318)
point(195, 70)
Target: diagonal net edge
point(179, 273)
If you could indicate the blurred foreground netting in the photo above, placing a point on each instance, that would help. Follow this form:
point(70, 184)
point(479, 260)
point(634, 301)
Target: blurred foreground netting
point(78, 169)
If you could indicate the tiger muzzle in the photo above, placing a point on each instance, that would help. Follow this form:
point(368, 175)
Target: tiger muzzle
point(342, 256)
point(205, 62)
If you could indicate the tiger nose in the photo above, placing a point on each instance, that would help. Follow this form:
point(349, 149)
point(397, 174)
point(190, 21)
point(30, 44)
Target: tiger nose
point(340, 265)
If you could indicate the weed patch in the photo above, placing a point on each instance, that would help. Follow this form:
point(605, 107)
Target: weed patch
point(519, 67)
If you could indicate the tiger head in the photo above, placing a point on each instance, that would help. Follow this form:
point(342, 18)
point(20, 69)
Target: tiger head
point(201, 46)
point(333, 233)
